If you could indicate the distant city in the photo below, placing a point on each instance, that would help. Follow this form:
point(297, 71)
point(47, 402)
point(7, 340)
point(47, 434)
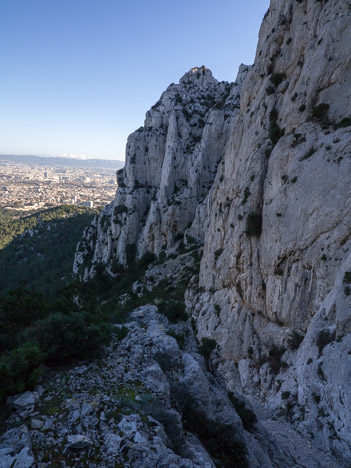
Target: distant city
point(29, 183)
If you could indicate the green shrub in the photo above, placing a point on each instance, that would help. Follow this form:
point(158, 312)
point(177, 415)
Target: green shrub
point(290, 406)
point(275, 132)
point(179, 236)
point(347, 283)
point(173, 310)
point(121, 332)
point(218, 253)
point(220, 440)
point(166, 362)
point(247, 416)
point(193, 325)
point(190, 239)
point(277, 78)
point(247, 193)
point(254, 224)
point(20, 309)
point(101, 276)
point(68, 336)
point(206, 347)
point(19, 369)
point(295, 339)
point(146, 259)
point(12, 224)
point(131, 250)
point(42, 260)
point(120, 209)
point(324, 338)
point(320, 112)
point(268, 152)
point(345, 122)
point(274, 358)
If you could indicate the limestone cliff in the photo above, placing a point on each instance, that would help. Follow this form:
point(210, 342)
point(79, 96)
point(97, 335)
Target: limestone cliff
point(259, 171)
point(170, 167)
point(277, 251)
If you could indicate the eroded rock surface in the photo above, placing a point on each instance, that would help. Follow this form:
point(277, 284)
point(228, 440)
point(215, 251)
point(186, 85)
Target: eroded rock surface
point(280, 247)
point(171, 164)
point(259, 171)
point(151, 401)
point(128, 409)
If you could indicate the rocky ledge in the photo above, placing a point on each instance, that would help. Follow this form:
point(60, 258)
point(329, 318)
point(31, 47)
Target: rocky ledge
point(152, 401)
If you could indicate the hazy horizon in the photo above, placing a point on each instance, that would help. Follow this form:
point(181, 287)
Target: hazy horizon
point(80, 76)
point(81, 157)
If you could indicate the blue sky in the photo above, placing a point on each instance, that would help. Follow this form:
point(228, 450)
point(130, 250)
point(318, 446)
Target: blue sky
point(77, 76)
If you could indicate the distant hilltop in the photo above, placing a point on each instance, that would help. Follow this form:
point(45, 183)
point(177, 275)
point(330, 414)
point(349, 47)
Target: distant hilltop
point(33, 160)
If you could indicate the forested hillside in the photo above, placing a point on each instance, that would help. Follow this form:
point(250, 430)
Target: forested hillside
point(38, 249)
point(39, 322)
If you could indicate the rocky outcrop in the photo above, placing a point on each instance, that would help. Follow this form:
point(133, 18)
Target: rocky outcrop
point(171, 164)
point(265, 187)
point(16, 448)
point(151, 401)
point(279, 234)
point(117, 411)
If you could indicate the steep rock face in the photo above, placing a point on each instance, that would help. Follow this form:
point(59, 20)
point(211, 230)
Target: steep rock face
point(279, 232)
point(266, 187)
point(171, 164)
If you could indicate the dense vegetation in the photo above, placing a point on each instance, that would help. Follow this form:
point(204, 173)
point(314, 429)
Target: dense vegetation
point(50, 318)
point(39, 321)
point(38, 249)
point(35, 333)
point(43, 325)
point(14, 223)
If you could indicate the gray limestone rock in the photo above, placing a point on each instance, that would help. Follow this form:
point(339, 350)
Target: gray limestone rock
point(280, 246)
point(25, 401)
point(78, 442)
point(259, 172)
point(36, 423)
point(16, 448)
point(171, 164)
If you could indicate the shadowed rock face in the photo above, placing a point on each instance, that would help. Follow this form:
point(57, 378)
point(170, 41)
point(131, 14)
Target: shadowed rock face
point(288, 161)
point(266, 187)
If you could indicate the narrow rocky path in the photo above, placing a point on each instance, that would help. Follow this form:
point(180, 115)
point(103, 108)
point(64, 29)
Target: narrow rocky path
point(127, 410)
point(115, 412)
